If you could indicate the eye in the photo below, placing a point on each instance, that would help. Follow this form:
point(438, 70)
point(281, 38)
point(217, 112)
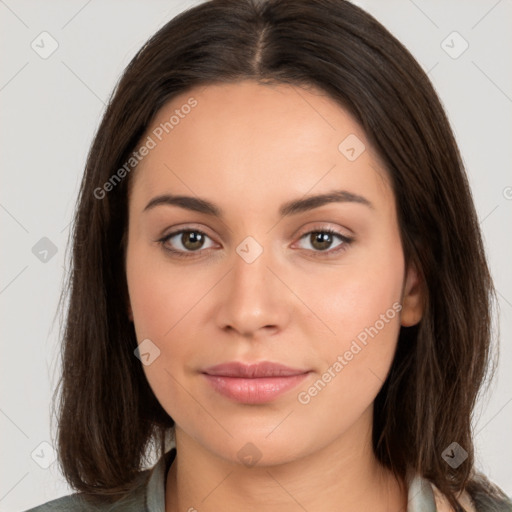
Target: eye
point(322, 239)
point(186, 241)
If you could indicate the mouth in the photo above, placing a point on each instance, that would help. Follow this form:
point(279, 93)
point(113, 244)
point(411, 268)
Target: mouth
point(253, 383)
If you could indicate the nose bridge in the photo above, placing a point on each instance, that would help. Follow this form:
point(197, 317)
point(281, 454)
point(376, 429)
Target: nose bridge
point(253, 299)
point(250, 277)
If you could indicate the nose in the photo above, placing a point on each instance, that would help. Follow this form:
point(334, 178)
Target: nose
point(253, 301)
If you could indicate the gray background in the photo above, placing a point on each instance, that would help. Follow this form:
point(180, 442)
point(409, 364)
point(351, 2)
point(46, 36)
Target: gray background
point(50, 110)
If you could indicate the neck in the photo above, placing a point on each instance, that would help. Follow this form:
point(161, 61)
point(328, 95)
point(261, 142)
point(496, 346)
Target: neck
point(344, 475)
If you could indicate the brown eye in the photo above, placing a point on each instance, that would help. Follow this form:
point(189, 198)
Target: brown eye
point(185, 242)
point(322, 240)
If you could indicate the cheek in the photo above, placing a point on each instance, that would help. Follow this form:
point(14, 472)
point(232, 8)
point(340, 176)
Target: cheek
point(367, 327)
point(363, 295)
point(161, 296)
point(165, 303)
point(362, 307)
point(364, 312)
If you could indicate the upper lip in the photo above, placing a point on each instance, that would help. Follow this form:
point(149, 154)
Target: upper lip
point(253, 371)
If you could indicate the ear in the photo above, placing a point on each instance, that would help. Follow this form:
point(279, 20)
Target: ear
point(413, 298)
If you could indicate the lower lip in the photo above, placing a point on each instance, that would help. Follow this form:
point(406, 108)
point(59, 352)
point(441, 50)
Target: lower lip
point(254, 391)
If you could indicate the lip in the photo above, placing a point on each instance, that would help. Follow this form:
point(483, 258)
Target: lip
point(253, 383)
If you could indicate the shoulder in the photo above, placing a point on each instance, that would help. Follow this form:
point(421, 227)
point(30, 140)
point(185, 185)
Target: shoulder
point(72, 502)
point(147, 493)
point(134, 501)
point(474, 502)
point(442, 504)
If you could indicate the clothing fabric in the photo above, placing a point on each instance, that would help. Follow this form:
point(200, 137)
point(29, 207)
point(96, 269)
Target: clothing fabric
point(149, 494)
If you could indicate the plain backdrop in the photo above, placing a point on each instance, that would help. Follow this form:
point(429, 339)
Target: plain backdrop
point(51, 106)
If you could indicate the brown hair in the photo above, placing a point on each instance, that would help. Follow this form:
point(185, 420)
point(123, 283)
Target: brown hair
point(108, 415)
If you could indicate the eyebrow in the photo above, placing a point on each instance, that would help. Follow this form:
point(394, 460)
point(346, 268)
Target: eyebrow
point(289, 208)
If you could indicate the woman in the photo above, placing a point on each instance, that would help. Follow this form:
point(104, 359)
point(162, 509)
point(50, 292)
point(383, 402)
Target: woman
point(278, 282)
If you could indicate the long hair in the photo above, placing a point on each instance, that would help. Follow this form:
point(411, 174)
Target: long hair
point(108, 414)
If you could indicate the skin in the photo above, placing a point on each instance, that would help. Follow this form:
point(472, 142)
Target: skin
point(249, 148)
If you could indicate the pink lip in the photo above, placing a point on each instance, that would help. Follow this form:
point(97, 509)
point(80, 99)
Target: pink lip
point(255, 383)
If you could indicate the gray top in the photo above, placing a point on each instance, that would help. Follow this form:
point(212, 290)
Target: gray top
point(149, 495)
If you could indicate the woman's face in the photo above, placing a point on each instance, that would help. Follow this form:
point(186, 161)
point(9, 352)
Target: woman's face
point(261, 280)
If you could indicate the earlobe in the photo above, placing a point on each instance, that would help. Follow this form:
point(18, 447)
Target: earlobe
point(413, 297)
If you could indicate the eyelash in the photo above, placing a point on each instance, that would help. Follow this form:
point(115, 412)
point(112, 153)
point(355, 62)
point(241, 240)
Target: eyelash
point(190, 254)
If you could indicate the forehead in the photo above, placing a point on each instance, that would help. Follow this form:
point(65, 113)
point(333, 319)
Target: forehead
point(256, 141)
